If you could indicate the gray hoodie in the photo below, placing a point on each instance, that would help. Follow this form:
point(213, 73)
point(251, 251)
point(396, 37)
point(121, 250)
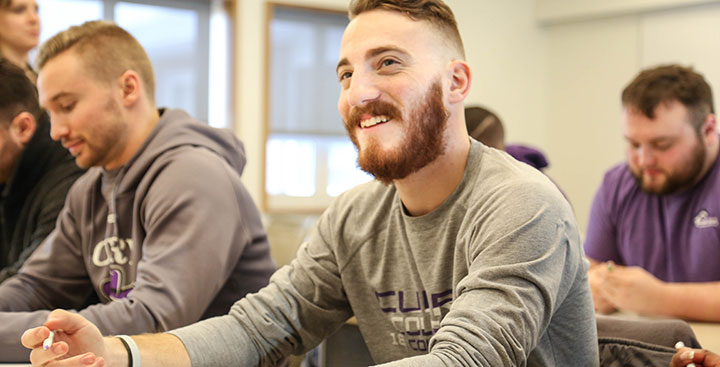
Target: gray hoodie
point(169, 238)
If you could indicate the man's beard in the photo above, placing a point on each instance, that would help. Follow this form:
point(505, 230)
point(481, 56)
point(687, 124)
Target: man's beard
point(424, 138)
point(684, 177)
point(105, 142)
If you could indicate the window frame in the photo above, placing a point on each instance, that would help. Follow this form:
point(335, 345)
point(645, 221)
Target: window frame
point(202, 56)
point(291, 204)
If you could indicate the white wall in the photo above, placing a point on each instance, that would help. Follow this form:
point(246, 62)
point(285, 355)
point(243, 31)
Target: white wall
point(552, 69)
point(506, 52)
point(688, 36)
point(589, 62)
point(551, 11)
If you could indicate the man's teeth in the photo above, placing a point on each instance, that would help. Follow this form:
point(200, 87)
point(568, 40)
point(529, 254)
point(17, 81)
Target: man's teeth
point(373, 121)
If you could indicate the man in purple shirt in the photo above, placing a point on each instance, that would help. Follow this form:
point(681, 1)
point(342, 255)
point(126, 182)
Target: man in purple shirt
point(653, 238)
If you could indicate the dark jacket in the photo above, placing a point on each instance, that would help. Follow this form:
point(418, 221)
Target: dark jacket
point(33, 196)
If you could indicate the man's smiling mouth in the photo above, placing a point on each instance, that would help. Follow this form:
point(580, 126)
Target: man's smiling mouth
point(374, 121)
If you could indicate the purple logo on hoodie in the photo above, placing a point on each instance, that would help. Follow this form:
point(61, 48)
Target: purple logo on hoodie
point(114, 288)
point(114, 254)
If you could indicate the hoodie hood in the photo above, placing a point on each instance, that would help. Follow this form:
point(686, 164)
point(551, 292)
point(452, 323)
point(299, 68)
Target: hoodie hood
point(176, 129)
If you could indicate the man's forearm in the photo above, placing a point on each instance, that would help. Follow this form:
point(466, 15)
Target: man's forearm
point(690, 301)
point(156, 350)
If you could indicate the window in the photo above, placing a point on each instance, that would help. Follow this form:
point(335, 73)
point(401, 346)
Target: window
point(308, 157)
point(176, 34)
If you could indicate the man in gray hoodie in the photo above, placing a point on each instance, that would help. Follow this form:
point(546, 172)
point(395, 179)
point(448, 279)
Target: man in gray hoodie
point(160, 232)
point(456, 255)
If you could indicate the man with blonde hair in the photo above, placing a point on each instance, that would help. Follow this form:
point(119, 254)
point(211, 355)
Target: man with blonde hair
point(160, 232)
point(456, 255)
point(96, 43)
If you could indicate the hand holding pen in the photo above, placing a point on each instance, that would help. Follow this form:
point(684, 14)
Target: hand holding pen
point(65, 337)
point(687, 357)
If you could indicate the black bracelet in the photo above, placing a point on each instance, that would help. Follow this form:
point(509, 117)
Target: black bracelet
point(126, 344)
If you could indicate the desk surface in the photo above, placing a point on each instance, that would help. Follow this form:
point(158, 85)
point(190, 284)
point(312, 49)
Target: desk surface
point(708, 334)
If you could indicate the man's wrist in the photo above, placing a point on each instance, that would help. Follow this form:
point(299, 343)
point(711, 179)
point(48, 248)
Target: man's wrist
point(115, 353)
point(674, 300)
point(132, 350)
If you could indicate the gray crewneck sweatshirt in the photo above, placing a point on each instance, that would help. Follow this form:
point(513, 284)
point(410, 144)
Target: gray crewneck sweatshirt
point(495, 276)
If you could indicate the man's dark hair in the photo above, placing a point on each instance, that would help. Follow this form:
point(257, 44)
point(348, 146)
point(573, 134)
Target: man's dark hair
point(435, 12)
point(485, 126)
point(17, 93)
point(667, 83)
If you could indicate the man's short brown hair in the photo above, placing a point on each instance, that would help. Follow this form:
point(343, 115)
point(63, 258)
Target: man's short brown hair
point(435, 12)
point(667, 83)
point(17, 93)
point(107, 51)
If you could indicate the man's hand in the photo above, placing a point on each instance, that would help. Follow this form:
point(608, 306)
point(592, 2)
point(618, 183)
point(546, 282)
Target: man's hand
point(77, 342)
point(701, 358)
point(631, 288)
point(596, 278)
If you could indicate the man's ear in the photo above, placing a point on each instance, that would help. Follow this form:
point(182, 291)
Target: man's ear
point(131, 87)
point(22, 128)
point(460, 78)
point(709, 128)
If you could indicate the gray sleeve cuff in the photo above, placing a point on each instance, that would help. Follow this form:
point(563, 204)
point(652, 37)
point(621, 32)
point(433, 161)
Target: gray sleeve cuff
point(219, 341)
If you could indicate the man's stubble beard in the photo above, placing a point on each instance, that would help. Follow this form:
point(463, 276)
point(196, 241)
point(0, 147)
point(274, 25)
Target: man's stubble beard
point(680, 179)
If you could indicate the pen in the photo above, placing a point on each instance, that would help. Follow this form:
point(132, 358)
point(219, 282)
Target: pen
point(679, 345)
point(47, 343)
